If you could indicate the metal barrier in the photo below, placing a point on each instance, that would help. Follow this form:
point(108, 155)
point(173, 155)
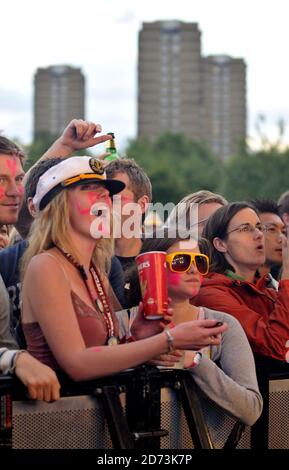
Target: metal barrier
point(144, 408)
point(5, 412)
point(271, 431)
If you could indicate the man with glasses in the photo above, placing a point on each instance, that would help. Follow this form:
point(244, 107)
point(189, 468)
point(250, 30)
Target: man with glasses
point(274, 233)
point(237, 237)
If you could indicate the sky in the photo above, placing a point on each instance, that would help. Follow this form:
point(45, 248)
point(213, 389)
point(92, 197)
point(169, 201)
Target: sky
point(100, 36)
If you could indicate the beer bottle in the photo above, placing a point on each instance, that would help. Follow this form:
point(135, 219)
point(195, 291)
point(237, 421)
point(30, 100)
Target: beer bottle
point(111, 148)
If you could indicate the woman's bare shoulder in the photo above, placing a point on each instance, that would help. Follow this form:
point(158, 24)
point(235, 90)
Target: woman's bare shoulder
point(45, 263)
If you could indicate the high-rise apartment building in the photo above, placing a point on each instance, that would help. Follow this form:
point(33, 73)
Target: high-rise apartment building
point(224, 104)
point(169, 78)
point(59, 95)
point(180, 91)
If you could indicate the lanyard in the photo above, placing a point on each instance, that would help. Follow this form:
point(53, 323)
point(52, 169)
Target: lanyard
point(101, 301)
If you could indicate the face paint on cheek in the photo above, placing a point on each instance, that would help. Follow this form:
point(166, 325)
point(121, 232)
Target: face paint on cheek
point(174, 279)
point(94, 197)
point(2, 192)
point(85, 209)
point(12, 165)
point(126, 199)
point(82, 210)
point(21, 190)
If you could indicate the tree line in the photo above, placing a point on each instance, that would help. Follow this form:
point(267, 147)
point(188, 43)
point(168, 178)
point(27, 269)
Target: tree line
point(178, 166)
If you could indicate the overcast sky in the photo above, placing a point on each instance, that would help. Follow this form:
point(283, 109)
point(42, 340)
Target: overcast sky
point(100, 36)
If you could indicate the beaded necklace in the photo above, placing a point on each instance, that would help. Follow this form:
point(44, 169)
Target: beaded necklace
point(101, 301)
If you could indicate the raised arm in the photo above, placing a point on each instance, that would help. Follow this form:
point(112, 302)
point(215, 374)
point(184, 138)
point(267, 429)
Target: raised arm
point(78, 135)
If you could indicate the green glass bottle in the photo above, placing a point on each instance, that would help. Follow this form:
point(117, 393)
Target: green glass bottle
point(111, 148)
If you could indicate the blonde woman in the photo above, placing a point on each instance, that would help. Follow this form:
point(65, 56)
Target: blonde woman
point(67, 314)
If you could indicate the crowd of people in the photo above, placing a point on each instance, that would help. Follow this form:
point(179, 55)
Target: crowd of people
point(70, 297)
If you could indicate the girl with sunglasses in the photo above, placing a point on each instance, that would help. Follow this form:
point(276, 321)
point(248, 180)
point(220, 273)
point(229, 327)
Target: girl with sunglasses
point(233, 385)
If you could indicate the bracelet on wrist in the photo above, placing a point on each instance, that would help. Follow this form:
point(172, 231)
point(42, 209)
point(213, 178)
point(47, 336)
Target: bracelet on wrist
point(8, 361)
point(2, 351)
point(14, 360)
point(196, 361)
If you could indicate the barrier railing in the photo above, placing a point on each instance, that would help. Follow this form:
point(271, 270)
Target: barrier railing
point(273, 380)
point(6, 384)
point(123, 411)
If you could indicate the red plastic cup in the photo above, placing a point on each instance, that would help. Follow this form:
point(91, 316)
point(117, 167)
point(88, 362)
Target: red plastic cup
point(153, 282)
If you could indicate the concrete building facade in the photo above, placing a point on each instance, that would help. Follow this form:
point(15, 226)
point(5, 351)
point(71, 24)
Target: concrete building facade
point(169, 73)
point(224, 104)
point(180, 91)
point(59, 96)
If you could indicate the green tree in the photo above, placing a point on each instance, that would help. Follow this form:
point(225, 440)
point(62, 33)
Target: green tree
point(39, 146)
point(176, 166)
point(263, 174)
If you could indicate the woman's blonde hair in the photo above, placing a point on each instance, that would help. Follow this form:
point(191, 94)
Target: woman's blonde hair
point(51, 227)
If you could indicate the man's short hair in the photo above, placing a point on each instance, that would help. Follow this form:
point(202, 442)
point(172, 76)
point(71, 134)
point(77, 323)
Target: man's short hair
point(8, 147)
point(265, 205)
point(283, 203)
point(139, 182)
point(38, 170)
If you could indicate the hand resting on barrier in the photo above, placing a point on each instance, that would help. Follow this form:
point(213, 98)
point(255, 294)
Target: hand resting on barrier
point(41, 380)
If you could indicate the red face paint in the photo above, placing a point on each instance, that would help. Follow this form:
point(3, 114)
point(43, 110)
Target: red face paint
point(12, 165)
point(82, 210)
point(174, 279)
point(2, 193)
point(92, 199)
point(126, 199)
